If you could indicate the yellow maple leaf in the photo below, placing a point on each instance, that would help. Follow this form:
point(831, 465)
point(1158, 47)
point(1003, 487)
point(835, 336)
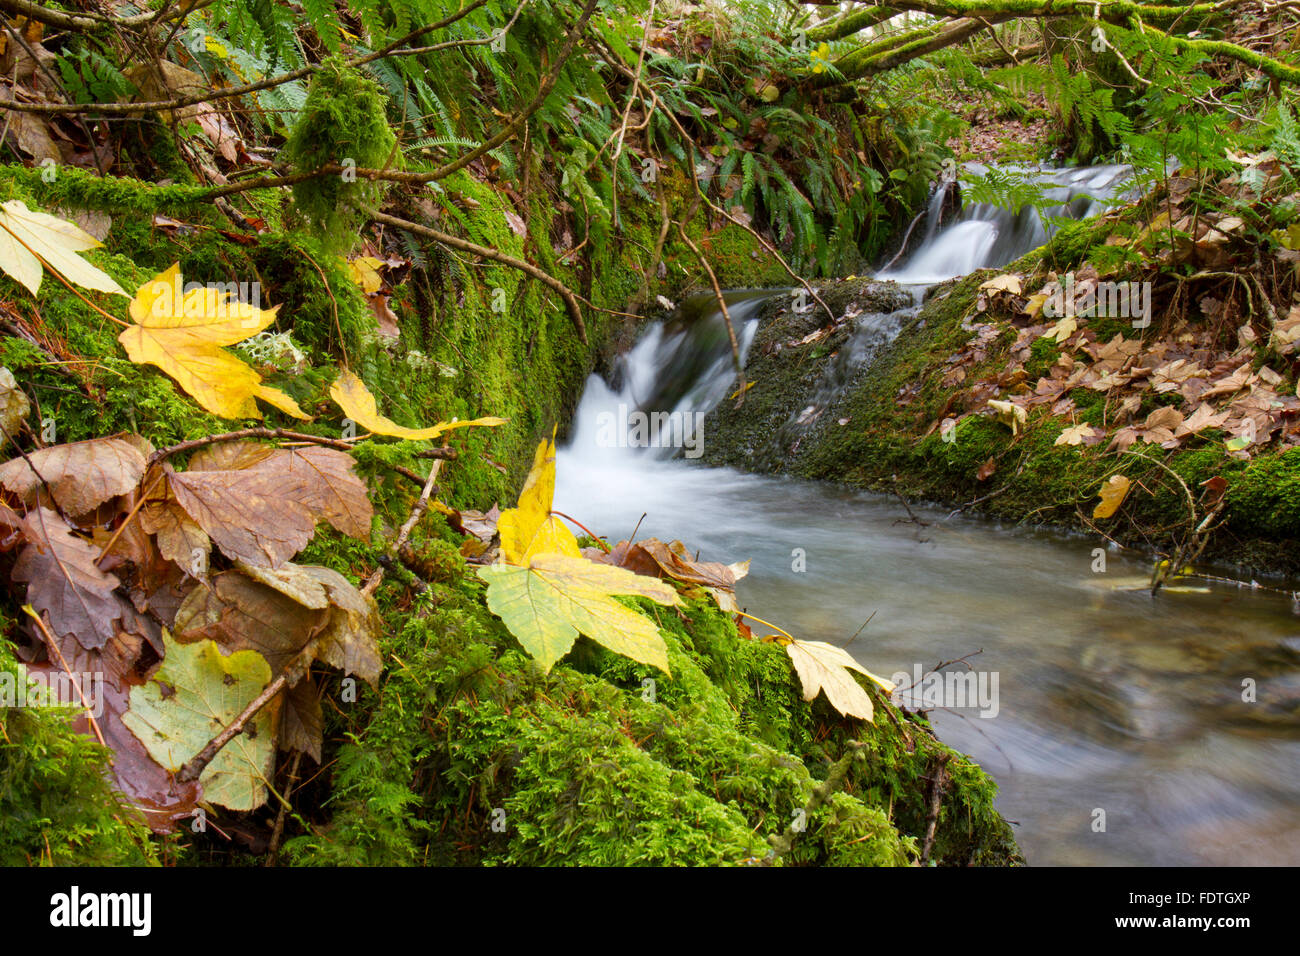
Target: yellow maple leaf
point(529, 529)
point(825, 667)
point(31, 241)
point(548, 604)
point(182, 333)
point(351, 395)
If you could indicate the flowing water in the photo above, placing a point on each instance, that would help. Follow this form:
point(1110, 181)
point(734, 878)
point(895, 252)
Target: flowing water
point(1095, 696)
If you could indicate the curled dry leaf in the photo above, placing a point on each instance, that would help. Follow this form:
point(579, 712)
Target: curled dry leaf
point(651, 556)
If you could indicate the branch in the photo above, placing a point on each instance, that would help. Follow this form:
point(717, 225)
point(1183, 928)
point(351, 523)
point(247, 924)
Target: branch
point(92, 21)
point(849, 24)
point(180, 102)
point(417, 511)
point(194, 768)
point(570, 300)
point(284, 433)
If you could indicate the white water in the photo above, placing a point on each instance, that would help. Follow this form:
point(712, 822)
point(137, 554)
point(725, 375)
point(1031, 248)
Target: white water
point(1108, 699)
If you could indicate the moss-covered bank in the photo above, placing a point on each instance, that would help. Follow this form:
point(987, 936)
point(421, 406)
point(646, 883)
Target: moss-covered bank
point(880, 432)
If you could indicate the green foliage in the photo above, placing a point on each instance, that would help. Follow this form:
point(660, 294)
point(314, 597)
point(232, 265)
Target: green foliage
point(56, 807)
point(342, 123)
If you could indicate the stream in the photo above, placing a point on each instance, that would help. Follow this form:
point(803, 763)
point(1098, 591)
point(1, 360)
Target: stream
point(1087, 696)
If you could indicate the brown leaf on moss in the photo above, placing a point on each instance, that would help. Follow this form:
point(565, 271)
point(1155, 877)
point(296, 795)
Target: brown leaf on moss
point(81, 475)
point(142, 780)
point(63, 581)
point(252, 515)
point(240, 613)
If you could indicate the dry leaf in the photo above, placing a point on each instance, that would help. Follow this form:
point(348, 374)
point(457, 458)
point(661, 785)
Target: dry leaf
point(80, 475)
point(1113, 492)
point(825, 667)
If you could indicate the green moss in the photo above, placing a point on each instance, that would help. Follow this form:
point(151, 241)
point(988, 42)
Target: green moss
point(342, 123)
point(56, 807)
point(605, 761)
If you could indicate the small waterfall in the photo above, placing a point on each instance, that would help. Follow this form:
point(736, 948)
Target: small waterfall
point(987, 236)
point(682, 368)
point(678, 371)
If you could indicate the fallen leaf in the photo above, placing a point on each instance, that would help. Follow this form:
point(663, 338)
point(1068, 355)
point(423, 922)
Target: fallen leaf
point(1008, 282)
point(825, 667)
point(1078, 435)
point(31, 240)
point(351, 395)
point(1113, 492)
point(548, 604)
point(182, 333)
point(1010, 414)
point(64, 582)
point(364, 271)
point(193, 696)
point(80, 475)
point(529, 528)
point(14, 405)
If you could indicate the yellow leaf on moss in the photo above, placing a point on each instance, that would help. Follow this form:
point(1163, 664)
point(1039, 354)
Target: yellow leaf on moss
point(529, 529)
point(183, 333)
point(1112, 494)
point(351, 395)
point(364, 271)
point(825, 667)
point(548, 604)
point(30, 241)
